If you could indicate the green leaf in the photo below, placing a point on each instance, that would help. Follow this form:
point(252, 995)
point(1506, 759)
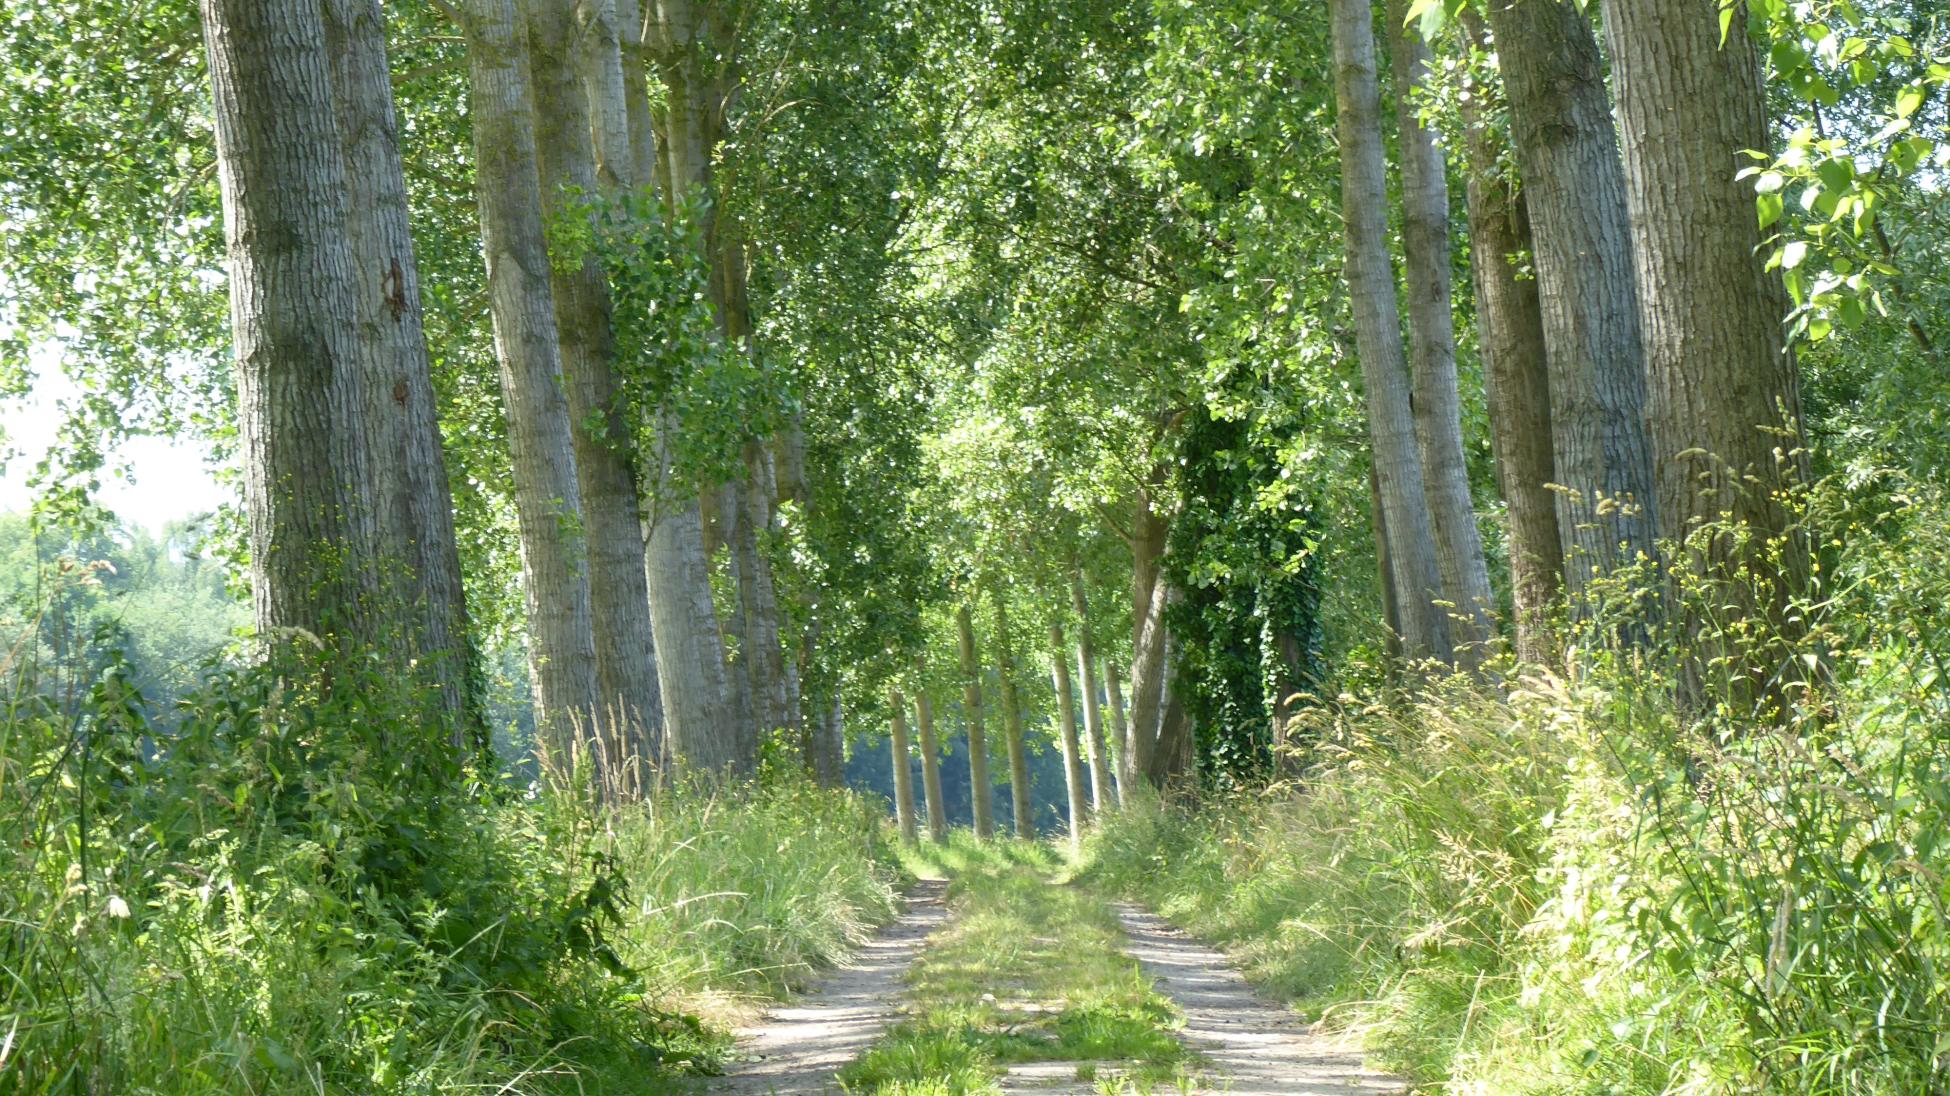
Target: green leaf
point(1908, 101)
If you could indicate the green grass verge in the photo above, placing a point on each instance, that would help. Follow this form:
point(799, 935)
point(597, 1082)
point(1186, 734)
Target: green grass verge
point(1028, 971)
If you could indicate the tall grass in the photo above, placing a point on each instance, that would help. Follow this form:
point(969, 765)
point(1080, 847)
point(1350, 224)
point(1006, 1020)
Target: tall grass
point(1580, 884)
point(300, 888)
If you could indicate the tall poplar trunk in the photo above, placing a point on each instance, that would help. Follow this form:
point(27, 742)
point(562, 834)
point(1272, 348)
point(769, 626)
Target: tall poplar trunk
point(626, 663)
point(1432, 352)
point(758, 597)
point(1005, 672)
point(1066, 709)
point(1516, 380)
point(555, 588)
point(1148, 663)
point(1101, 793)
point(295, 321)
point(903, 774)
point(1378, 336)
point(1173, 756)
point(412, 501)
point(1724, 394)
point(1574, 190)
point(978, 751)
point(1391, 615)
point(698, 694)
point(1114, 687)
point(930, 767)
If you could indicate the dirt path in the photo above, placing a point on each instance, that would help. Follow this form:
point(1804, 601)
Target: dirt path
point(798, 1046)
point(1256, 1047)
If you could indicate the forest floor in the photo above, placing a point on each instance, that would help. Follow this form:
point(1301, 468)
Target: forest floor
point(1001, 979)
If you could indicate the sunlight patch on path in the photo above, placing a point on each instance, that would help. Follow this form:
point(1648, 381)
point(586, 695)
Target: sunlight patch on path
point(1254, 1047)
point(798, 1046)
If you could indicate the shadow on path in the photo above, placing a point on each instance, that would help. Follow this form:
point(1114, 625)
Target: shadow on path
point(798, 1046)
point(1256, 1047)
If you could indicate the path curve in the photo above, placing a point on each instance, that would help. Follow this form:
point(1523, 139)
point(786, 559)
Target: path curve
point(1256, 1047)
point(798, 1046)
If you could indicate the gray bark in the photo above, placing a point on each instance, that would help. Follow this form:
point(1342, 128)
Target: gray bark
point(1005, 673)
point(1148, 663)
point(1516, 380)
point(1066, 709)
point(930, 768)
point(1114, 688)
point(412, 501)
point(1101, 793)
point(295, 320)
point(1724, 394)
point(1378, 337)
point(555, 587)
point(982, 790)
point(1432, 353)
point(1574, 190)
point(903, 773)
point(626, 663)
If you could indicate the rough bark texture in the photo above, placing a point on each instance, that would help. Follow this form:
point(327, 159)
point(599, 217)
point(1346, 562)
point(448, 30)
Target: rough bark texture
point(1093, 714)
point(1114, 686)
point(1724, 395)
point(1378, 337)
point(555, 588)
point(295, 320)
point(903, 773)
point(930, 768)
point(980, 787)
point(1066, 709)
point(1148, 664)
point(412, 502)
point(1172, 760)
point(758, 599)
point(1574, 190)
point(626, 662)
point(1516, 381)
point(1432, 352)
point(690, 659)
point(1005, 674)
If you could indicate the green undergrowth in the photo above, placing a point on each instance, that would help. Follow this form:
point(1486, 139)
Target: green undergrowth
point(1029, 970)
point(1559, 887)
point(299, 888)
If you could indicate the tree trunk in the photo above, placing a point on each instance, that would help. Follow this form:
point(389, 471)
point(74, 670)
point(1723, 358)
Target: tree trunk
point(930, 768)
point(757, 595)
point(555, 588)
point(295, 320)
point(626, 663)
point(1724, 394)
point(1391, 615)
point(1516, 381)
point(1148, 666)
point(1432, 353)
point(414, 506)
point(978, 750)
point(1114, 686)
point(1377, 320)
point(1173, 761)
point(1073, 778)
point(1005, 672)
point(1567, 151)
point(690, 658)
point(903, 774)
point(1093, 715)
